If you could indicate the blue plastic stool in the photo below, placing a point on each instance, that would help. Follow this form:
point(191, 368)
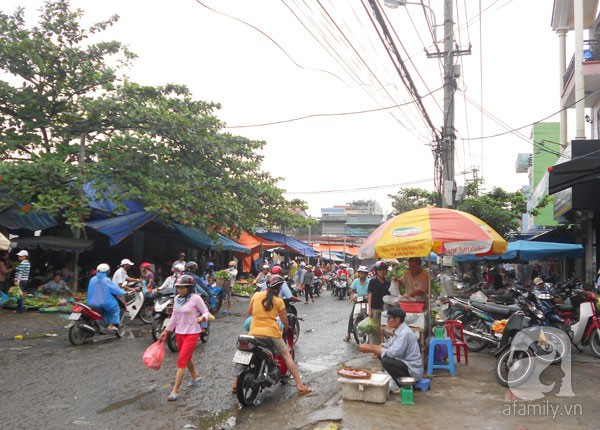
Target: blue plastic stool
point(431, 365)
point(423, 384)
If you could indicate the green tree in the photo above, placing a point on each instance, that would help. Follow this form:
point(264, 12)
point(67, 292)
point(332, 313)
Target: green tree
point(407, 199)
point(69, 118)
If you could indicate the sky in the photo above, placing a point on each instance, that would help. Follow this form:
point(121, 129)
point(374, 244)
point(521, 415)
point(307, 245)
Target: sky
point(271, 61)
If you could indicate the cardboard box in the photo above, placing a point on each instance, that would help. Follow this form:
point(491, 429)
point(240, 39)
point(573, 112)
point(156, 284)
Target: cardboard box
point(374, 390)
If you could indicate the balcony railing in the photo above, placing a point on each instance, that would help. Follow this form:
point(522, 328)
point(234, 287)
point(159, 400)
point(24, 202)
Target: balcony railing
point(591, 52)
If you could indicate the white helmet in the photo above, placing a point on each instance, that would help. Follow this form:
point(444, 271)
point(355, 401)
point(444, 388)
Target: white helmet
point(179, 266)
point(103, 267)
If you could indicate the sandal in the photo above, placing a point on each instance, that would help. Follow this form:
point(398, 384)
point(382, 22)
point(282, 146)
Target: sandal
point(195, 381)
point(304, 390)
point(347, 338)
point(172, 397)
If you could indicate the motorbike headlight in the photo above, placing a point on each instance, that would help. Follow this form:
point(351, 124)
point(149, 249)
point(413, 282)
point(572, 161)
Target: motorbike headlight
point(535, 311)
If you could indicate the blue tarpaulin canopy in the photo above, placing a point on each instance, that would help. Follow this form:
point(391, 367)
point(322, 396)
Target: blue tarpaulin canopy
point(202, 240)
point(15, 219)
point(106, 205)
point(118, 228)
point(528, 250)
point(298, 246)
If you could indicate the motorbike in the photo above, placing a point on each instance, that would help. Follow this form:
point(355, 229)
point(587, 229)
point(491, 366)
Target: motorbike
point(217, 295)
point(258, 366)
point(88, 321)
point(341, 287)
point(162, 311)
point(138, 303)
point(362, 303)
point(330, 282)
point(581, 320)
point(317, 287)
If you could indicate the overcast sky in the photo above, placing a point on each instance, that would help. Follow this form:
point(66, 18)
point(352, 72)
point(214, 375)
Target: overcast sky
point(333, 62)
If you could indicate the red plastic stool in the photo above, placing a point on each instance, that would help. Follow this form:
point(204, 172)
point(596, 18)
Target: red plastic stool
point(452, 327)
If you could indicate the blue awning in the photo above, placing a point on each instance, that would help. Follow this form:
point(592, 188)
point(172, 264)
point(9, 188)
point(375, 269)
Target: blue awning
point(298, 246)
point(15, 219)
point(118, 228)
point(528, 250)
point(106, 205)
point(202, 240)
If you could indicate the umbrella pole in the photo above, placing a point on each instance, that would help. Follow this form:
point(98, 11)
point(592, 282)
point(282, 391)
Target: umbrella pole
point(428, 307)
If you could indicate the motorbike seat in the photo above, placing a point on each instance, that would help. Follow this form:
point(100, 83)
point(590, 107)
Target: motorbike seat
point(496, 309)
point(98, 309)
point(265, 341)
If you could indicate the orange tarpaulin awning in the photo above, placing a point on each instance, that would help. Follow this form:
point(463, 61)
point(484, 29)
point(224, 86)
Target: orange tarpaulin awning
point(348, 249)
point(256, 244)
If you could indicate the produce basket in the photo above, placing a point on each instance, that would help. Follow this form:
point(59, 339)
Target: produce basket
point(412, 307)
point(354, 373)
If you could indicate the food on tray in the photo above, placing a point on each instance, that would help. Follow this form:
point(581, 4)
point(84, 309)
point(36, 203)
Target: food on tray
point(354, 373)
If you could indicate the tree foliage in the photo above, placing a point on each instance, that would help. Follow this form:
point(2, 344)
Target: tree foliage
point(68, 118)
point(501, 209)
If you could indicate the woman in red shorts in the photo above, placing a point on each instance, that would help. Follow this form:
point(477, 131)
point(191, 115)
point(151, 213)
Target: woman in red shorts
point(185, 322)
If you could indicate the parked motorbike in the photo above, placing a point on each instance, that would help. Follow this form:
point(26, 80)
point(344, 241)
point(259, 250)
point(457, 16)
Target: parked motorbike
point(362, 303)
point(87, 322)
point(138, 303)
point(581, 320)
point(258, 366)
point(217, 295)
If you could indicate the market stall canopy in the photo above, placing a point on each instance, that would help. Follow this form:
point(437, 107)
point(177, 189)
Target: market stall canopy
point(4, 243)
point(203, 240)
point(255, 243)
point(330, 257)
point(118, 228)
point(294, 244)
point(444, 231)
point(105, 205)
point(53, 243)
point(347, 249)
point(576, 171)
point(527, 250)
point(15, 219)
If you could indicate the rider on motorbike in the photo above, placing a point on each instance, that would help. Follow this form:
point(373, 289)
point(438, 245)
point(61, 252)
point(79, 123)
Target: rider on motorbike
point(103, 293)
point(201, 287)
point(360, 287)
point(265, 307)
point(121, 277)
point(178, 270)
point(285, 292)
point(262, 277)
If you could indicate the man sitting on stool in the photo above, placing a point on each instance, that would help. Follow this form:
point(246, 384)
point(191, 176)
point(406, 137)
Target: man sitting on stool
point(400, 356)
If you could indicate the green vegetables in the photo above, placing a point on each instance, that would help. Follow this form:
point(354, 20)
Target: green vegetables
point(243, 290)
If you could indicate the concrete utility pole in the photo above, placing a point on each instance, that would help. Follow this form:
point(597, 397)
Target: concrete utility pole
point(451, 72)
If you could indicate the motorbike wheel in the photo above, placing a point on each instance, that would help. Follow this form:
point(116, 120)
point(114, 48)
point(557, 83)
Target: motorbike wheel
point(205, 334)
point(78, 336)
point(359, 336)
point(474, 344)
point(516, 372)
point(554, 350)
point(595, 343)
point(146, 314)
point(121, 330)
point(172, 342)
point(247, 387)
point(157, 327)
point(296, 330)
point(218, 304)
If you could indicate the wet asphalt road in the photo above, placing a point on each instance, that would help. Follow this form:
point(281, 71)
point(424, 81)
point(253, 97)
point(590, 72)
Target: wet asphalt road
point(48, 383)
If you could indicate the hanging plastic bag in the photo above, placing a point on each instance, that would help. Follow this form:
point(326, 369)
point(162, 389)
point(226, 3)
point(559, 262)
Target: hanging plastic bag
point(368, 326)
point(154, 354)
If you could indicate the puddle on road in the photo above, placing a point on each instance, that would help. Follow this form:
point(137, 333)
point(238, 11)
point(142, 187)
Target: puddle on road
point(139, 332)
point(123, 403)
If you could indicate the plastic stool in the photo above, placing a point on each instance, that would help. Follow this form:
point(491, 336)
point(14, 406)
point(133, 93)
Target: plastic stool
point(433, 341)
point(423, 384)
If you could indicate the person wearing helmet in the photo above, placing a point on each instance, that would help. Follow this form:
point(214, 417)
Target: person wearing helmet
point(285, 292)
point(263, 276)
point(121, 277)
point(265, 307)
point(360, 288)
point(232, 271)
point(103, 293)
point(378, 288)
point(209, 270)
point(180, 260)
point(415, 281)
point(343, 271)
point(276, 270)
point(299, 279)
point(178, 270)
point(200, 285)
point(147, 276)
point(189, 310)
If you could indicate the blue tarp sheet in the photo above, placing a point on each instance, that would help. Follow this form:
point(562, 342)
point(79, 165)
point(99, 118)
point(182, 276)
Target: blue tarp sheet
point(298, 246)
point(15, 219)
point(202, 240)
point(528, 250)
point(120, 227)
point(106, 205)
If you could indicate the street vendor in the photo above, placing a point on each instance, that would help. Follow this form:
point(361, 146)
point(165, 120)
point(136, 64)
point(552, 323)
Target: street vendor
point(400, 356)
point(415, 281)
point(56, 286)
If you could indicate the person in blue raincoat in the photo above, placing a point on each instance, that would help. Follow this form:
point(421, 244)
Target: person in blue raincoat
point(103, 293)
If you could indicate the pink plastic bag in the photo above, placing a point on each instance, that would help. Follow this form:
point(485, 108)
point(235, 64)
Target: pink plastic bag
point(153, 355)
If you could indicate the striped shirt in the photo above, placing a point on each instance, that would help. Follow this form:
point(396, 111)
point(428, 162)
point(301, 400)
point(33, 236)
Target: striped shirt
point(22, 272)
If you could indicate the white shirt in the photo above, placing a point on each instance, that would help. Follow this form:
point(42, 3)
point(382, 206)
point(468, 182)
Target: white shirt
point(120, 276)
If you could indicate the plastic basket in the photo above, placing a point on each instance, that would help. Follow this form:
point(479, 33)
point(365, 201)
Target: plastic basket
point(412, 307)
